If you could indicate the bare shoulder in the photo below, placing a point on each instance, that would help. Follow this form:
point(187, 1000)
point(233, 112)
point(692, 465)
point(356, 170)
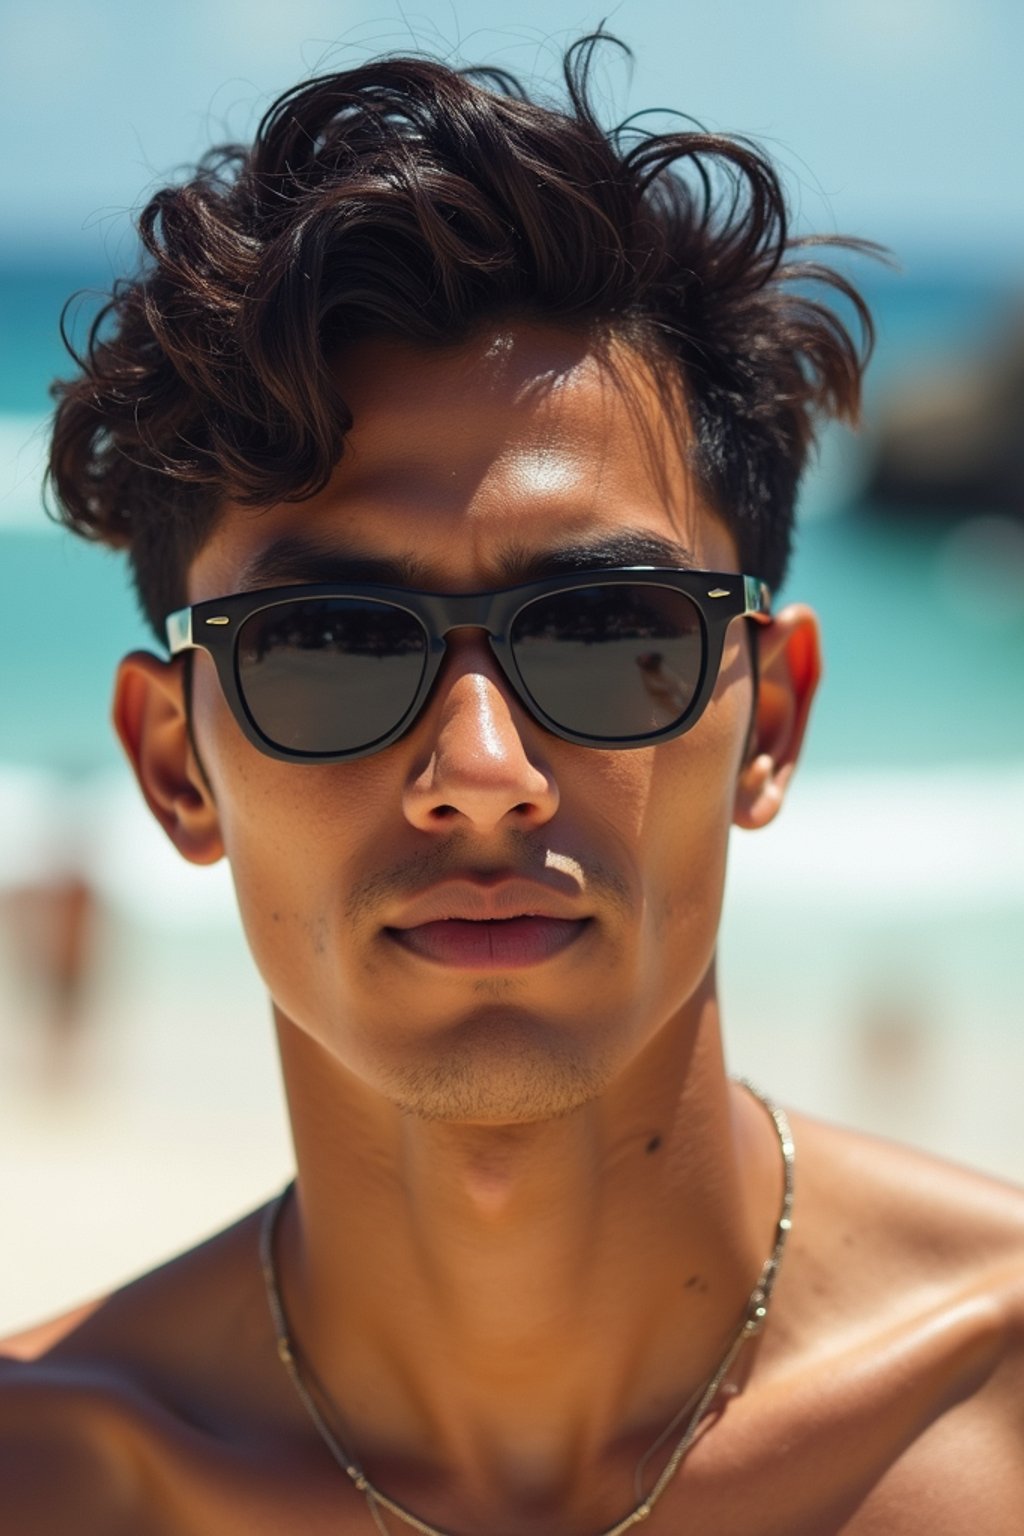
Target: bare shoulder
point(59, 1451)
point(931, 1219)
point(93, 1401)
point(906, 1292)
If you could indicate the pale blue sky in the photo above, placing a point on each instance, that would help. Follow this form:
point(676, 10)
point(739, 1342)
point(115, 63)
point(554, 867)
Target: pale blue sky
point(899, 119)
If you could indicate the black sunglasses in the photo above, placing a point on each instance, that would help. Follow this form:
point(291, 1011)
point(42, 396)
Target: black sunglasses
point(603, 658)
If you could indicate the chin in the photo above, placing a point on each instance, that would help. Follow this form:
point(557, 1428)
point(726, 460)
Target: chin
point(501, 1066)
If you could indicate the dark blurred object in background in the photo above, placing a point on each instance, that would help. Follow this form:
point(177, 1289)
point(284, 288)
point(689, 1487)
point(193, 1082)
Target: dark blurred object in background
point(951, 439)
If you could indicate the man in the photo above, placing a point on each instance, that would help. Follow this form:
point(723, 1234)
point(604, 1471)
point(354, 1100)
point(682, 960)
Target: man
point(457, 444)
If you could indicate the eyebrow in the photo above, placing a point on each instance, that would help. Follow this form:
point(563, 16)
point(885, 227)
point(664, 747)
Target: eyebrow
point(627, 546)
point(302, 558)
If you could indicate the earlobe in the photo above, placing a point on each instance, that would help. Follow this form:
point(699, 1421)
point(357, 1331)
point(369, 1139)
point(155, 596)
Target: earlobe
point(790, 669)
point(150, 719)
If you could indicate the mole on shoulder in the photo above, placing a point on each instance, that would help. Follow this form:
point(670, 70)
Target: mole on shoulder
point(654, 1144)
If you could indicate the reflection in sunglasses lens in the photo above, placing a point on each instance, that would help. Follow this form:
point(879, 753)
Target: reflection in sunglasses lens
point(331, 674)
point(611, 661)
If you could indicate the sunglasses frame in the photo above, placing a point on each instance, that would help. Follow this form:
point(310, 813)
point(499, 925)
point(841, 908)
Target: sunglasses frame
point(720, 597)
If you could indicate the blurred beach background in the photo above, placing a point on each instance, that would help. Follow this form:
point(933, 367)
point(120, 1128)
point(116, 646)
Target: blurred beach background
point(872, 954)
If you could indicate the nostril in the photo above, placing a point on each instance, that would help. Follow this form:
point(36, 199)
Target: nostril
point(446, 812)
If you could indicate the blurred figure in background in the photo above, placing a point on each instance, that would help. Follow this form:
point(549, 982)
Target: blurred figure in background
point(49, 921)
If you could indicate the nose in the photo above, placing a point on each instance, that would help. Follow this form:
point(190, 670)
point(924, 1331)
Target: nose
point(476, 761)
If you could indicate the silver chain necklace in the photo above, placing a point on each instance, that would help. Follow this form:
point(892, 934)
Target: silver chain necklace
point(753, 1321)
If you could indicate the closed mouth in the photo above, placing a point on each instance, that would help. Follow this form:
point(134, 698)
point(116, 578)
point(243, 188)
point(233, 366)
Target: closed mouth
point(502, 943)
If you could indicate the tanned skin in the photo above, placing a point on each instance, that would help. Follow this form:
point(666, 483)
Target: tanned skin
point(531, 1202)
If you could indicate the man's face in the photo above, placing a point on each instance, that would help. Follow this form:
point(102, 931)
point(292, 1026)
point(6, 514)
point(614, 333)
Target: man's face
point(462, 468)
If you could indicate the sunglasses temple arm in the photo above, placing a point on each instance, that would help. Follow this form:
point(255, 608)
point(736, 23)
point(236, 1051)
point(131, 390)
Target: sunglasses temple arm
point(757, 598)
point(178, 626)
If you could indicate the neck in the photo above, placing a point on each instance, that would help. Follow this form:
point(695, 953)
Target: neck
point(447, 1283)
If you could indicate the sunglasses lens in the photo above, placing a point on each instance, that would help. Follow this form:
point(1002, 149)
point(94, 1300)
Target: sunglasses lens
point(613, 662)
point(329, 675)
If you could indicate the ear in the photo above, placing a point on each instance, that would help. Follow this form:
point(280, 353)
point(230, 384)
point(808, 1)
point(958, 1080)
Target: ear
point(150, 719)
point(789, 660)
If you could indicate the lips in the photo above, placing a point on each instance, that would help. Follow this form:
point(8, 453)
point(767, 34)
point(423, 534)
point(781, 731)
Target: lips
point(488, 927)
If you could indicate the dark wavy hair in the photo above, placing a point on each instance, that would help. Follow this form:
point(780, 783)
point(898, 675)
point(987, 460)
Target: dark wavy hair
point(407, 198)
